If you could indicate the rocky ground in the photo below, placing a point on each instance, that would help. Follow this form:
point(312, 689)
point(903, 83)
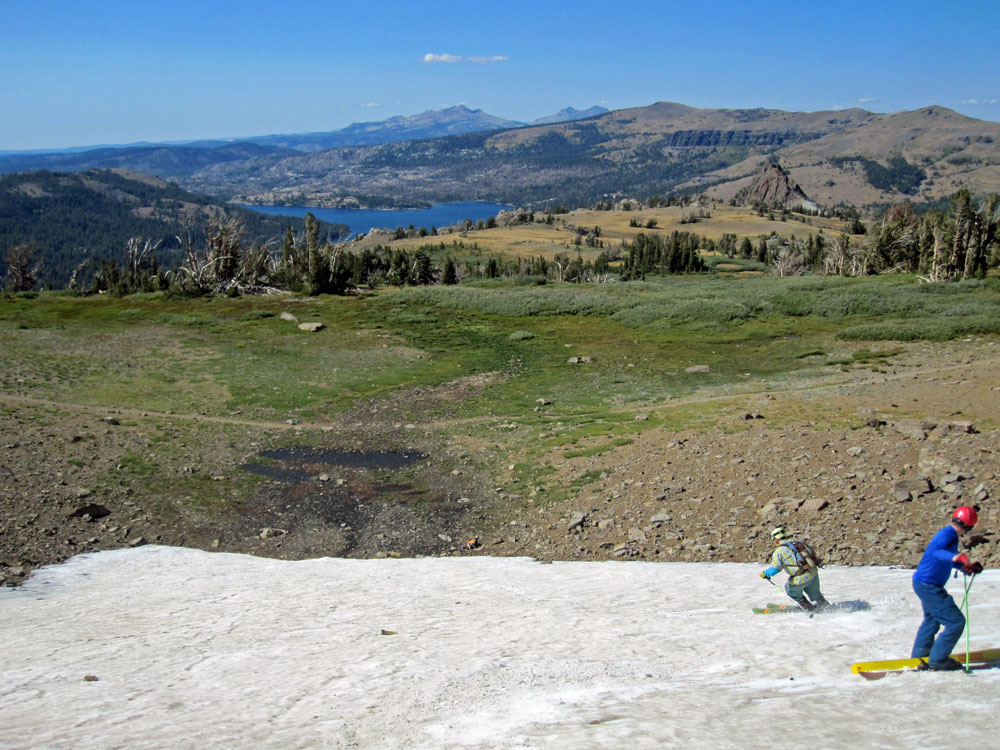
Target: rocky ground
point(865, 464)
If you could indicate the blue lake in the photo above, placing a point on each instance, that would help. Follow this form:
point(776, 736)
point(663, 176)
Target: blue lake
point(361, 220)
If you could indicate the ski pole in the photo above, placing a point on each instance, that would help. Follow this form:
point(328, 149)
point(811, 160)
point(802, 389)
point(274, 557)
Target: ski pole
point(968, 618)
point(796, 603)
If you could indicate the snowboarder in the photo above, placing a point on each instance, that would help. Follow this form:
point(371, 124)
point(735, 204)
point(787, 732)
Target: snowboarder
point(799, 560)
point(940, 558)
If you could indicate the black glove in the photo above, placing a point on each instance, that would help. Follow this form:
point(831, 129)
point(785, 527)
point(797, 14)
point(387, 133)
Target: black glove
point(975, 569)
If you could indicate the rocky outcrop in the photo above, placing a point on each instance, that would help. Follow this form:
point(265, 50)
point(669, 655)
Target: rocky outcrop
point(772, 187)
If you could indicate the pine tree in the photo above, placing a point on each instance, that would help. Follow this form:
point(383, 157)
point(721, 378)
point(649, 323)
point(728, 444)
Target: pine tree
point(450, 274)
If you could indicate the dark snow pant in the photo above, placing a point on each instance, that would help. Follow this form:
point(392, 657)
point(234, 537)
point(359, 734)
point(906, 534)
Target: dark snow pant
point(940, 610)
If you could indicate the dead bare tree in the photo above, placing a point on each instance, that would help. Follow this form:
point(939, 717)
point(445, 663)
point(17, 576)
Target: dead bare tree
point(22, 269)
point(225, 264)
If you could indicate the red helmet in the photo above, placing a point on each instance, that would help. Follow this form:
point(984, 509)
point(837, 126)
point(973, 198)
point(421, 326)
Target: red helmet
point(966, 516)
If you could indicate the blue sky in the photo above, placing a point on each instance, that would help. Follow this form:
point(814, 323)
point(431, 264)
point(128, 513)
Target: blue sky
point(116, 72)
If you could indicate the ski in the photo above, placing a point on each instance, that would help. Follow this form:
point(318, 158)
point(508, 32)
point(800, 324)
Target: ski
point(875, 670)
point(966, 669)
point(776, 609)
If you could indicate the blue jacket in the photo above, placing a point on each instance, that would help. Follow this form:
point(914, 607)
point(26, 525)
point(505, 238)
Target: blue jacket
point(936, 564)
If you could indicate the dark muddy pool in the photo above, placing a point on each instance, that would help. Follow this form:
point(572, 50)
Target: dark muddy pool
point(298, 457)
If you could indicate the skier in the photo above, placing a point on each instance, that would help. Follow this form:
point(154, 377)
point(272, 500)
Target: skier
point(940, 558)
point(799, 560)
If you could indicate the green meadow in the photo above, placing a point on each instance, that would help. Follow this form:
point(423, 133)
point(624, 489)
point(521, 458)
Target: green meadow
point(215, 356)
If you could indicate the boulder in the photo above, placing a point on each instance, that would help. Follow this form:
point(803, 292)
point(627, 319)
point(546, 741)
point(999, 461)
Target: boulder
point(913, 428)
point(910, 489)
point(636, 535)
point(576, 521)
point(90, 511)
point(814, 505)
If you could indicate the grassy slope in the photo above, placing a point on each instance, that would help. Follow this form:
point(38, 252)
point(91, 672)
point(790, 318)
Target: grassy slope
point(236, 359)
point(547, 240)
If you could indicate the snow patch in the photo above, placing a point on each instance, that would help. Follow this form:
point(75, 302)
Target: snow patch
point(210, 650)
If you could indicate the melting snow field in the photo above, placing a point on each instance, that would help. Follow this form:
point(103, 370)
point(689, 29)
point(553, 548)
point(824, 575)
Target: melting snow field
point(199, 650)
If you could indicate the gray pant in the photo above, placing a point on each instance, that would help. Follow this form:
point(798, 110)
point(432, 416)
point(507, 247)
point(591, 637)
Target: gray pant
point(811, 588)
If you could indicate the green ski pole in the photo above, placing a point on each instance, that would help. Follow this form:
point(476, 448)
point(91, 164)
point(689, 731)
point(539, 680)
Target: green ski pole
point(968, 619)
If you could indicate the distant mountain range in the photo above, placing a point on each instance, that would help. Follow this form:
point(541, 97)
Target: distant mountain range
point(851, 156)
point(579, 157)
point(430, 124)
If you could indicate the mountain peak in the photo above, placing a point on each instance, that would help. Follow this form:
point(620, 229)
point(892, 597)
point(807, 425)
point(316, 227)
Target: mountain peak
point(570, 113)
point(772, 186)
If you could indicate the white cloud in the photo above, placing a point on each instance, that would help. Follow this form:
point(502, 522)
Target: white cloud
point(867, 100)
point(371, 105)
point(487, 60)
point(430, 57)
point(979, 101)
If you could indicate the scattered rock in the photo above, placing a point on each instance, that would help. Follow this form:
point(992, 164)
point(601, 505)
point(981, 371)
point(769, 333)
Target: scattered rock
point(311, 327)
point(289, 317)
point(782, 504)
point(697, 368)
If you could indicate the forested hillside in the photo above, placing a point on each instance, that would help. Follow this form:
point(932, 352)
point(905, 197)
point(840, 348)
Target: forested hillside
point(72, 218)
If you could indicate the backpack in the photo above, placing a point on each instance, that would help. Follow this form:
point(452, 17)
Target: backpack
point(805, 556)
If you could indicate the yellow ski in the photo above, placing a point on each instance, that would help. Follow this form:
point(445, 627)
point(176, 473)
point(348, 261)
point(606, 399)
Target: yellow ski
point(866, 668)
